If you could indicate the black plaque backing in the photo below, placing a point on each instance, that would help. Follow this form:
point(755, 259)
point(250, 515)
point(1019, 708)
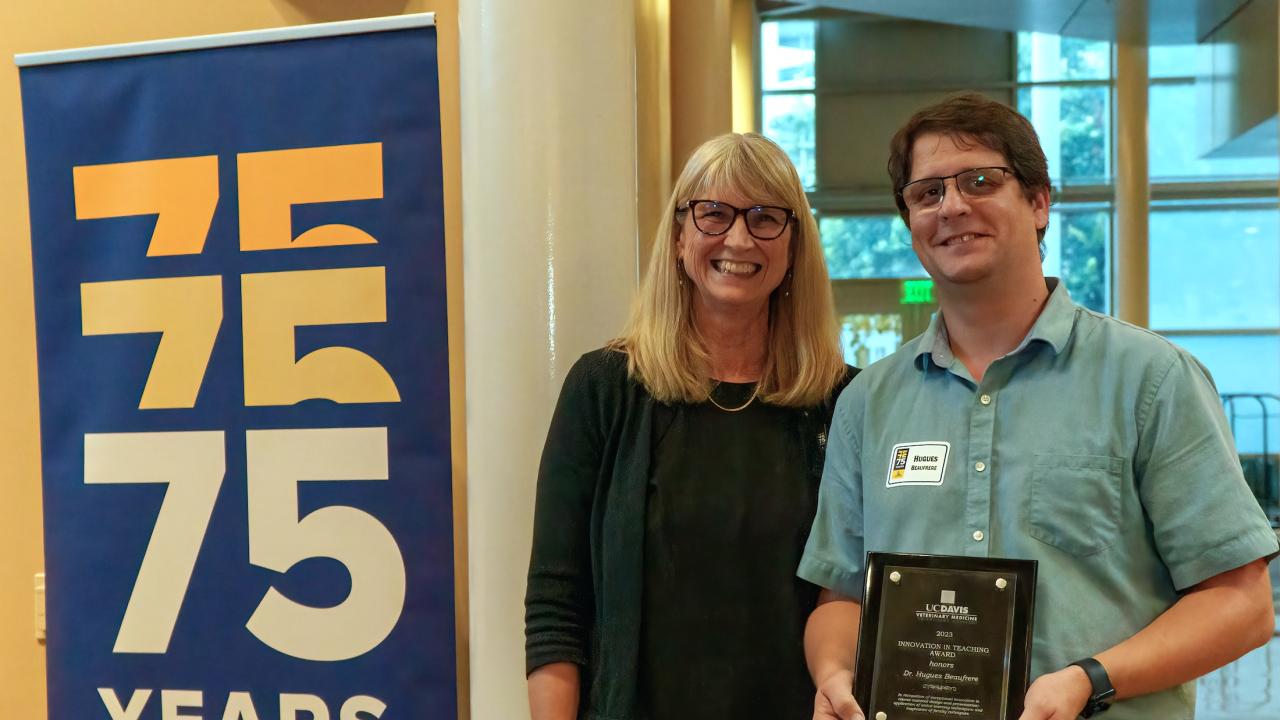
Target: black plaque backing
point(945, 637)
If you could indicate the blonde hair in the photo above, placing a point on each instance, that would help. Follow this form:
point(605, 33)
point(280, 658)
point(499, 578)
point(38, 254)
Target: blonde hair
point(803, 362)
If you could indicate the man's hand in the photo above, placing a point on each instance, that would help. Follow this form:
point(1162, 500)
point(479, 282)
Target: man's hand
point(830, 647)
point(1057, 696)
point(834, 699)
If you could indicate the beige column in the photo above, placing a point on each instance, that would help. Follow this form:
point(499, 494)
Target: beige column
point(549, 266)
point(701, 75)
point(1133, 186)
point(653, 118)
point(745, 61)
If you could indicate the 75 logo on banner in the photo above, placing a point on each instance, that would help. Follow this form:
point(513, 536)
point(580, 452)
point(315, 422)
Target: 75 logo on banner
point(188, 314)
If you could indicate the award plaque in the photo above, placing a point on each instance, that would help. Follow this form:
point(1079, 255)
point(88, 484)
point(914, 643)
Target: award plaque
point(945, 637)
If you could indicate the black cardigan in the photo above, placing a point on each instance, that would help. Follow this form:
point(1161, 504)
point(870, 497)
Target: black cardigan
point(582, 603)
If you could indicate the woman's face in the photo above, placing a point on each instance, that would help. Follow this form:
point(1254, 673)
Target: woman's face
point(733, 272)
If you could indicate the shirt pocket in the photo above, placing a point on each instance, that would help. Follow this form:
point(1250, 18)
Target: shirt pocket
point(1075, 501)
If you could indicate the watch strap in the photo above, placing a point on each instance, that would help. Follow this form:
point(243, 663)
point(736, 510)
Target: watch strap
point(1102, 688)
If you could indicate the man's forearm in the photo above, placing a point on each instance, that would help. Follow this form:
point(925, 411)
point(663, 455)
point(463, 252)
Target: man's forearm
point(553, 692)
point(831, 636)
point(1221, 619)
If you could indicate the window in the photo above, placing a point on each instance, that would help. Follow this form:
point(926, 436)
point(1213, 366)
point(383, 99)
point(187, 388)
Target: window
point(788, 80)
point(868, 337)
point(788, 121)
point(1064, 88)
point(1215, 267)
point(868, 246)
point(1074, 125)
point(1215, 290)
point(1062, 84)
point(1078, 247)
point(1214, 249)
point(1053, 58)
point(1214, 226)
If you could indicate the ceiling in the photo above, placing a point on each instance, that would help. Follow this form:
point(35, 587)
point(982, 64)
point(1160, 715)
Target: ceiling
point(1170, 22)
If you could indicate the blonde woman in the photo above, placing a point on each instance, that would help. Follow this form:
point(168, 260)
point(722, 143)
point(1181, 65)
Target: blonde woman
point(680, 473)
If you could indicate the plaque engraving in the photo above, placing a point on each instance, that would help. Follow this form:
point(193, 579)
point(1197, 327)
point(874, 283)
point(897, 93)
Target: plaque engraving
point(945, 637)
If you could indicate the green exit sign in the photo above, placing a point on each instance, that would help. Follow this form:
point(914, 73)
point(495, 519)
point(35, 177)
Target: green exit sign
point(917, 292)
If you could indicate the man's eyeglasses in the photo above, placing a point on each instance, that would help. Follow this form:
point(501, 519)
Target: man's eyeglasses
point(928, 193)
point(764, 222)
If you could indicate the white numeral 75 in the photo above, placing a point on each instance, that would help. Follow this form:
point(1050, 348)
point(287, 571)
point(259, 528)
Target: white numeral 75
point(193, 464)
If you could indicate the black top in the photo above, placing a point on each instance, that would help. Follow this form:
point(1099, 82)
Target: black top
point(731, 500)
point(586, 573)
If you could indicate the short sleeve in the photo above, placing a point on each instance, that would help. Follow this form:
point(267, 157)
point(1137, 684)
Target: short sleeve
point(833, 555)
point(1204, 519)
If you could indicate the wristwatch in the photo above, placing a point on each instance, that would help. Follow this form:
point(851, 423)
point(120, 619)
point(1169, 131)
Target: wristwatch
point(1102, 689)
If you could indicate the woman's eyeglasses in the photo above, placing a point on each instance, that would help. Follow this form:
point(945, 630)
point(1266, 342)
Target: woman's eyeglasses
point(764, 222)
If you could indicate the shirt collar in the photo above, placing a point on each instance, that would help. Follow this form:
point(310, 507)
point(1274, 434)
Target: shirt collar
point(1052, 327)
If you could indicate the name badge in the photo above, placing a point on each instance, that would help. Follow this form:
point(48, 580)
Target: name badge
point(922, 463)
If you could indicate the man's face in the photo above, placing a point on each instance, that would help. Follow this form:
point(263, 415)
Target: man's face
point(965, 240)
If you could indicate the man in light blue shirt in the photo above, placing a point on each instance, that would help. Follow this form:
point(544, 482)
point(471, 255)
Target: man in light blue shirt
point(1051, 433)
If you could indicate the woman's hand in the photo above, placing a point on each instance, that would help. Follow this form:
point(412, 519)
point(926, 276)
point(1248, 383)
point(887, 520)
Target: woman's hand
point(553, 692)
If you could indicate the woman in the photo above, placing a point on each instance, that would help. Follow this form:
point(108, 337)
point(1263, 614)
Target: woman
point(680, 473)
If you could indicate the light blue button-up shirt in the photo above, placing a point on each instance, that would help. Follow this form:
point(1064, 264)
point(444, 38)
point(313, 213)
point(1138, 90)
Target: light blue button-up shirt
point(1095, 447)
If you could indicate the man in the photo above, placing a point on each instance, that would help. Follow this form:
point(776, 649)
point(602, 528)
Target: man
point(1095, 447)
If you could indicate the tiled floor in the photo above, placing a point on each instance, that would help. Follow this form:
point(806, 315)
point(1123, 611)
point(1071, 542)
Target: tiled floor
point(1248, 689)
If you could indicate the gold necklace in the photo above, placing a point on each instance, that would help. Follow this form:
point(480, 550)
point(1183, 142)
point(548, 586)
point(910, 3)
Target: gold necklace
point(743, 406)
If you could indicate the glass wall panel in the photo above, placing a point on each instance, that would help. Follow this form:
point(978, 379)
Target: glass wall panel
point(1238, 363)
point(1084, 260)
point(1245, 689)
point(1168, 61)
point(1215, 268)
point(1049, 58)
point(1243, 364)
point(867, 338)
point(788, 121)
point(1074, 124)
point(879, 246)
point(868, 246)
point(787, 55)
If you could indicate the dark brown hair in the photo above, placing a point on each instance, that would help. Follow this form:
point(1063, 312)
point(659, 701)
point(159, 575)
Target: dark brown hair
point(972, 118)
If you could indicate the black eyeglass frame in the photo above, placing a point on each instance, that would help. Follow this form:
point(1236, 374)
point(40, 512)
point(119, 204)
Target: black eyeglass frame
point(901, 192)
point(688, 207)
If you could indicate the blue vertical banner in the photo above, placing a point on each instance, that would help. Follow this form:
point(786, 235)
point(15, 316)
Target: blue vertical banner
point(239, 261)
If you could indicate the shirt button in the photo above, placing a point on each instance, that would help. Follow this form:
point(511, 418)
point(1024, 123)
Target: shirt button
point(979, 466)
point(977, 536)
point(985, 399)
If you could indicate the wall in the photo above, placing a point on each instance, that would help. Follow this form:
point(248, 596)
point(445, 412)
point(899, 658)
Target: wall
point(1239, 84)
point(863, 103)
